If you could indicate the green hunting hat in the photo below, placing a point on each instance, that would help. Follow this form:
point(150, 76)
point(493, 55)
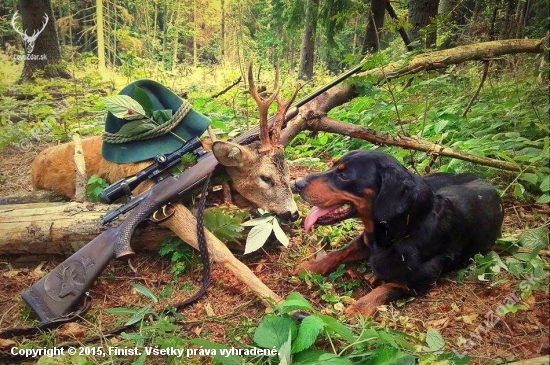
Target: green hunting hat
point(178, 124)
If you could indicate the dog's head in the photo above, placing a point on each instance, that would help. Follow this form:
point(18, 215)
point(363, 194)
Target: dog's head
point(366, 184)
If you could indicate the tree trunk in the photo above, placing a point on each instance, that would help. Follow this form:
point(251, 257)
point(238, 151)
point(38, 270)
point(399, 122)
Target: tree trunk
point(60, 228)
point(45, 56)
point(100, 39)
point(195, 35)
point(420, 14)
point(222, 33)
point(375, 22)
point(308, 41)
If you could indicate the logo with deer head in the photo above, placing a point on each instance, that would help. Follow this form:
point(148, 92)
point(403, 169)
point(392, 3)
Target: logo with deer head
point(29, 40)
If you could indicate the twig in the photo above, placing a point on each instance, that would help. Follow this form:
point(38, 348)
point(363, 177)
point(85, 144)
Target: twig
point(227, 88)
point(483, 77)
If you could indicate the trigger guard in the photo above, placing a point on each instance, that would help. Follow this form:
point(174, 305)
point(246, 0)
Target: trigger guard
point(163, 213)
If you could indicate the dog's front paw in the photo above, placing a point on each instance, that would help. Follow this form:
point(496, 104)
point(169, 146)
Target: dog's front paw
point(361, 307)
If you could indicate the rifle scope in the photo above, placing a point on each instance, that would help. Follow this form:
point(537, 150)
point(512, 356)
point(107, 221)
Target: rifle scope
point(126, 185)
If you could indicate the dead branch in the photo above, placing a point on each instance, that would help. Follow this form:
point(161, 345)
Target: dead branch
point(333, 126)
point(80, 170)
point(483, 77)
point(311, 114)
point(236, 82)
point(401, 30)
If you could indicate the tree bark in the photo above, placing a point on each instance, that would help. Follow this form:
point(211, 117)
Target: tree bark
point(222, 33)
point(61, 228)
point(100, 39)
point(308, 41)
point(420, 14)
point(46, 55)
point(375, 22)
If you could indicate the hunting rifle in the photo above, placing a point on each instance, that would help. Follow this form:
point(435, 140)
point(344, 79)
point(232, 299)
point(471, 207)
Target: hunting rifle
point(54, 298)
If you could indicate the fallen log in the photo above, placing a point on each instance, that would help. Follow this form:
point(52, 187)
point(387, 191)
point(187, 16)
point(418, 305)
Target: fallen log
point(61, 228)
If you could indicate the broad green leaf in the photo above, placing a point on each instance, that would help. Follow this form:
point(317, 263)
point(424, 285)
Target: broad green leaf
point(529, 177)
point(518, 190)
point(136, 127)
point(162, 116)
point(535, 239)
point(141, 359)
point(391, 356)
point(544, 199)
point(143, 290)
point(144, 100)
point(259, 220)
point(434, 340)
point(309, 330)
point(295, 300)
point(284, 351)
point(280, 234)
point(257, 237)
point(124, 107)
point(318, 357)
point(333, 325)
point(272, 332)
point(545, 184)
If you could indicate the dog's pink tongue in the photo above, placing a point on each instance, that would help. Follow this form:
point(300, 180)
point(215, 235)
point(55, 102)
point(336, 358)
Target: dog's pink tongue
point(314, 214)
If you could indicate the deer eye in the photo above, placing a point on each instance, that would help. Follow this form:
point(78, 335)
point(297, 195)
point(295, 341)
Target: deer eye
point(266, 179)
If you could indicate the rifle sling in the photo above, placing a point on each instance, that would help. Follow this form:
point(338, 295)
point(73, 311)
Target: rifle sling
point(170, 310)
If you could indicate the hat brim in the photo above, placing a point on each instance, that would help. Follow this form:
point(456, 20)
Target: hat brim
point(194, 124)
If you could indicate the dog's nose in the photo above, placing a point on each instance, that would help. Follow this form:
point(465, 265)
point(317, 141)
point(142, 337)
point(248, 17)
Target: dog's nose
point(299, 185)
point(290, 216)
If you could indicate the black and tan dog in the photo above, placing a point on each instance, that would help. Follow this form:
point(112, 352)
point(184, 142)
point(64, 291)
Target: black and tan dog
point(415, 228)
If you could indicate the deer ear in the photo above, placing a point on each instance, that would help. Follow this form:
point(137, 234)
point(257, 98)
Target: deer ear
point(231, 154)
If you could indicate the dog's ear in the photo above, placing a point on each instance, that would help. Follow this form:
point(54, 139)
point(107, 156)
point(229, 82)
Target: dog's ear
point(395, 195)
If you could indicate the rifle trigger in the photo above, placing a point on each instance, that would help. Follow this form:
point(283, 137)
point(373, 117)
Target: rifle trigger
point(163, 213)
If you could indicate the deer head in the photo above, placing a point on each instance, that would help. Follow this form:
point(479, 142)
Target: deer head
point(29, 40)
point(259, 171)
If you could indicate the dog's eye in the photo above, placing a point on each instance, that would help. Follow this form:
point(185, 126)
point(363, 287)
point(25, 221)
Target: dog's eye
point(342, 176)
point(266, 179)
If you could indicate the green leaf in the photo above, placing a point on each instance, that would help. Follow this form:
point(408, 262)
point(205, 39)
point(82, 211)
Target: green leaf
point(545, 184)
point(309, 330)
point(162, 116)
point(143, 99)
point(316, 357)
point(143, 290)
point(333, 325)
point(136, 127)
point(257, 237)
point(280, 234)
point(138, 316)
point(535, 239)
point(434, 340)
point(124, 107)
point(122, 311)
point(284, 351)
point(272, 332)
point(295, 301)
point(141, 359)
point(391, 356)
point(259, 220)
point(529, 177)
point(544, 199)
point(518, 190)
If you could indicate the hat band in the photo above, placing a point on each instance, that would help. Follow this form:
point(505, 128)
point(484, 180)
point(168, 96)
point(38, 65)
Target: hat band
point(159, 130)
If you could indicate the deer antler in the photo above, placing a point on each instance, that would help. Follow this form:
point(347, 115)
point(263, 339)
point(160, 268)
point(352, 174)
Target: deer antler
point(263, 106)
point(36, 33)
point(14, 17)
point(282, 109)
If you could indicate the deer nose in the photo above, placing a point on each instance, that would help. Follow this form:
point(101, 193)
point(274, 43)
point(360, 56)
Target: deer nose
point(290, 216)
point(299, 185)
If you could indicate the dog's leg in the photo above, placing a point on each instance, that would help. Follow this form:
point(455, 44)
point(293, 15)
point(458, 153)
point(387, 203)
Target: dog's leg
point(356, 250)
point(381, 295)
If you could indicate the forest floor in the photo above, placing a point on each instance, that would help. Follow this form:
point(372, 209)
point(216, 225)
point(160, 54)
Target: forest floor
point(229, 310)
